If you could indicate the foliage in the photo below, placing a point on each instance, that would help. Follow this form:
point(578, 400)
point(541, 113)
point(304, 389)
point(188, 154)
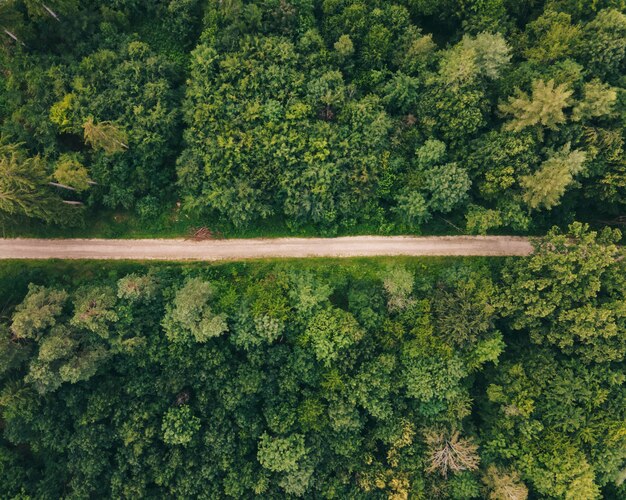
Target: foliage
point(297, 116)
point(547, 185)
point(71, 172)
point(24, 185)
point(37, 312)
point(504, 485)
point(179, 425)
point(190, 313)
point(544, 107)
point(359, 378)
point(570, 294)
point(105, 135)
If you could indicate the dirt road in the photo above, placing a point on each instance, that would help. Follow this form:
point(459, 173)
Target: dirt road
point(236, 249)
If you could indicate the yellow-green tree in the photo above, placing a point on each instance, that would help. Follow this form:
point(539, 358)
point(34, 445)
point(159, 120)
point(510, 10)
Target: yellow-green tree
point(24, 186)
point(545, 106)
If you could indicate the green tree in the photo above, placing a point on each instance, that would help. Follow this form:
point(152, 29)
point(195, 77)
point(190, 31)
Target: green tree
point(491, 52)
point(550, 37)
point(344, 46)
point(479, 220)
point(447, 186)
point(179, 425)
point(71, 172)
point(412, 208)
point(568, 294)
point(398, 283)
point(64, 356)
point(465, 312)
point(38, 311)
point(281, 454)
point(602, 48)
point(330, 333)
point(430, 153)
point(190, 314)
point(563, 417)
point(137, 288)
point(24, 186)
point(94, 309)
point(105, 136)
point(484, 55)
point(12, 353)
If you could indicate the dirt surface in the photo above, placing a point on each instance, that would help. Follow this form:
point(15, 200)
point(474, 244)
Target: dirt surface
point(237, 249)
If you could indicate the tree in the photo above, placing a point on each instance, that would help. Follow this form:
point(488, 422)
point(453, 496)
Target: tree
point(482, 56)
point(308, 292)
point(106, 136)
point(479, 220)
point(452, 113)
point(398, 283)
point(402, 93)
point(64, 356)
point(544, 107)
point(412, 208)
point(448, 452)
point(562, 416)
point(11, 20)
point(94, 309)
point(191, 316)
point(504, 484)
point(38, 311)
point(71, 172)
point(344, 46)
point(598, 100)
point(491, 52)
point(431, 153)
point(602, 48)
point(550, 37)
point(447, 186)
point(179, 425)
point(545, 187)
point(24, 186)
point(137, 288)
point(569, 294)
point(464, 312)
point(281, 454)
point(330, 333)
point(12, 353)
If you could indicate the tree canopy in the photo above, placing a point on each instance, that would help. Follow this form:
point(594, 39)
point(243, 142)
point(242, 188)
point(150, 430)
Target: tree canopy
point(440, 378)
point(315, 115)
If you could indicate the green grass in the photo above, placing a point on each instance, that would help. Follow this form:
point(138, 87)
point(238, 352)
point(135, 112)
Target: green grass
point(15, 275)
point(100, 223)
point(128, 225)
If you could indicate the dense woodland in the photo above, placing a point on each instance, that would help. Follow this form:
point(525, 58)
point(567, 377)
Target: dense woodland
point(500, 379)
point(496, 115)
point(411, 378)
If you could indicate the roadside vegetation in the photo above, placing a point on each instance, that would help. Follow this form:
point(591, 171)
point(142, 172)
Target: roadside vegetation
point(396, 378)
point(361, 378)
point(310, 116)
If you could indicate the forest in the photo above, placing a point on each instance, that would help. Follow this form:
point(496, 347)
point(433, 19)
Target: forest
point(427, 378)
point(327, 116)
point(385, 378)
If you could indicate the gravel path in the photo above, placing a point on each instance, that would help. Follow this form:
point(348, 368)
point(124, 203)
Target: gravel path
point(236, 249)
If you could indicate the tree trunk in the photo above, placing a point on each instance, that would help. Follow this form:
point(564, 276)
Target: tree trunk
point(64, 186)
point(51, 12)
